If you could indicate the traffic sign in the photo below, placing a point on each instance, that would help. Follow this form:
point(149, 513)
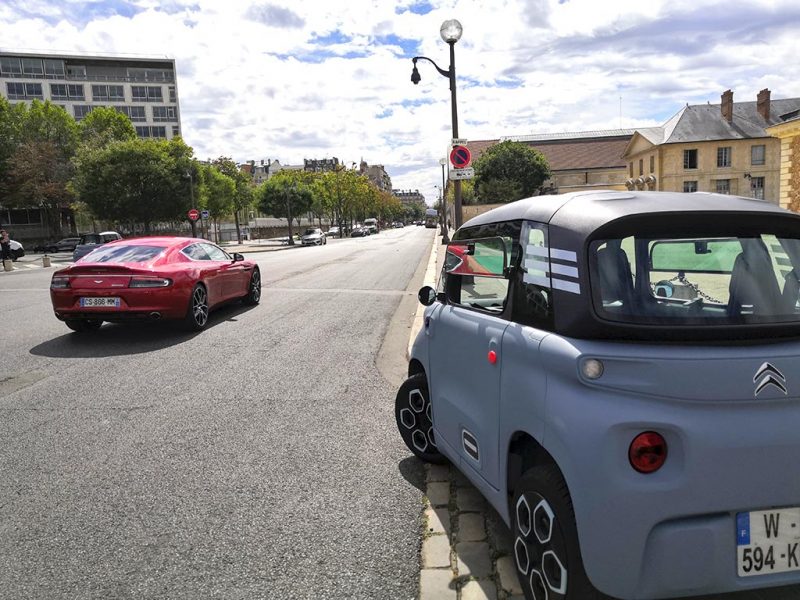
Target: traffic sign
point(460, 157)
point(193, 214)
point(204, 214)
point(468, 173)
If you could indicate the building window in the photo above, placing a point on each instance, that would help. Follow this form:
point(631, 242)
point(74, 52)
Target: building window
point(150, 75)
point(757, 187)
point(689, 186)
point(690, 159)
point(158, 131)
point(81, 110)
point(641, 167)
point(76, 91)
point(146, 93)
point(76, 71)
point(176, 131)
point(172, 96)
point(24, 91)
point(32, 66)
point(53, 69)
point(724, 156)
point(652, 164)
point(758, 154)
point(134, 113)
point(10, 65)
point(58, 91)
point(113, 93)
point(143, 132)
point(164, 113)
point(723, 186)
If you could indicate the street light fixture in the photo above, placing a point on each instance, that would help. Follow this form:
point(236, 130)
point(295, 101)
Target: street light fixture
point(450, 31)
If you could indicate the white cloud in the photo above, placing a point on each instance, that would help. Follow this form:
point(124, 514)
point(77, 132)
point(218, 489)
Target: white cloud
point(248, 91)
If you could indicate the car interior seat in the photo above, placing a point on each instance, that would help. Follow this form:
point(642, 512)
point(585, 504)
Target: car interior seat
point(791, 292)
point(616, 280)
point(753, 288)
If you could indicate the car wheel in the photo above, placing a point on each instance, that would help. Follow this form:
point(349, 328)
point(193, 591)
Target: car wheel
point(253, 296)
point(83, 325)
point(412, 410)
point(51, 249)
point(197, 313)
point(324, 241)
point(546, 550)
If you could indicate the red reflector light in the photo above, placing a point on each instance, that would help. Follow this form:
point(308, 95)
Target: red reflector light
point(648, 452)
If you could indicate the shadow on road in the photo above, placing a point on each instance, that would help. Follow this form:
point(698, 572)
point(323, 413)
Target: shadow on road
point(118, 339)
point(413, 471)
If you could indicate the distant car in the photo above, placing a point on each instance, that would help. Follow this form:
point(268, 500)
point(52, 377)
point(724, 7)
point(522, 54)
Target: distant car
point(17, 251)
point(313, 237)
point(333, 231)
point(149, 279)
point(359, 232)
point(65, 245)
point(398, 225)
point(90, 241)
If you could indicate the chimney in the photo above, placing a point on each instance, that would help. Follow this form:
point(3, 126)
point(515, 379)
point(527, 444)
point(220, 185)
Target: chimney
point(727, 106)
point(762, 103)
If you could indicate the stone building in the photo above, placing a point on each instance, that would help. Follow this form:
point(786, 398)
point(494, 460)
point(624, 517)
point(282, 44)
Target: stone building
point(788, 132)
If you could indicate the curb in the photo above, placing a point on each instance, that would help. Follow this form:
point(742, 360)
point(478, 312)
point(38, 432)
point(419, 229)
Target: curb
point(429, 279)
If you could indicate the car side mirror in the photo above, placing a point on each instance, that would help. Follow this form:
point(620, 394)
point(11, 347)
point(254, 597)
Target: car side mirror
point(237, 257)
point(426, 295)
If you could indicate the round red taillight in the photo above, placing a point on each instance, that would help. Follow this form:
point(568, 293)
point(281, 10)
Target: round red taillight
point(648, 452)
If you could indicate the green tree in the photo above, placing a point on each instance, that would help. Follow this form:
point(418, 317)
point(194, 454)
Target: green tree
point(39, 167)
point(105, 125)
point(286, 195)
point(244, 195)
point(509, 171)
point(467, 193)
point(217, 195)
point(143, 181)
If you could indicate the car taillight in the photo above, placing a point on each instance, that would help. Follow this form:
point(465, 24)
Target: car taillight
point(59, 283)
point(648, 452)
point(149, 282)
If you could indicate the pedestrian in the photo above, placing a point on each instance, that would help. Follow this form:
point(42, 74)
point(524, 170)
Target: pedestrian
point(5, 244)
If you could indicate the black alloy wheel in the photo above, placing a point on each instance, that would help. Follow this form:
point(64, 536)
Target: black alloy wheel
point(412, 410)
point(546, 549)
point(253, 296)
point(197, 313)
point(83, 325)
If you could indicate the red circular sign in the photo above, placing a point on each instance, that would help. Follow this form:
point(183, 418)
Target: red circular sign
point(460, 156)
point(193, 214)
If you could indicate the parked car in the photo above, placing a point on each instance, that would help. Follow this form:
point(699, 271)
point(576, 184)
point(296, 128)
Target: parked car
point(333, 231)
point(16, 249)
point(313, 237)
point(152, 278)
point(371, 225)
point(617, 372)
point(359, 232)
point(65, 245)
point(89, 241)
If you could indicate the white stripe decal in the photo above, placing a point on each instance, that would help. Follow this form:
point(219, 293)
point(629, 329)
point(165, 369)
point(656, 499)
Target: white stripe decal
point(567, 286)
point(536, 264)
point(567, 255)
point(564, 270)
point(537, 250)
point(536, 280)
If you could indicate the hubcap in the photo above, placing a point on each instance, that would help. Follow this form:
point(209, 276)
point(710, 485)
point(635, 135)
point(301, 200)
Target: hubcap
point(540, 548)
point(417, 419)
point(199, 306)
point(255, 286)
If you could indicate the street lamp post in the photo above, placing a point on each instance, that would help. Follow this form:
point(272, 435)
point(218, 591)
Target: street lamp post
point(191, 195)
point(445, 234)
point(450, 31)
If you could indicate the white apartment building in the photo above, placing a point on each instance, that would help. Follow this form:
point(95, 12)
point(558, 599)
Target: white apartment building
point(144, 89)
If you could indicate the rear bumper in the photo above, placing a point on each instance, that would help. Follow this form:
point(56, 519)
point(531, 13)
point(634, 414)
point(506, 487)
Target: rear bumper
point(134, 304)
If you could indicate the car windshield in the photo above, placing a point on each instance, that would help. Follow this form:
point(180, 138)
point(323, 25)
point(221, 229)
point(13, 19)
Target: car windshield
point(311, 231)
point(91, 238)
point(702, 280)
point(123, 254)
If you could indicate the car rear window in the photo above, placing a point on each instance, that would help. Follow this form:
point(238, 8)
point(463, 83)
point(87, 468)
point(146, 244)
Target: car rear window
point(747, 278)
point(123, 254)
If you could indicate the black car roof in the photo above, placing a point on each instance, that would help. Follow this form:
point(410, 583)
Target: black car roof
point(586, 211)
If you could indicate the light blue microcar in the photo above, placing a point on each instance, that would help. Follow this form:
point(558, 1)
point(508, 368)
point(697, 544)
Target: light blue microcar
point(619, 374)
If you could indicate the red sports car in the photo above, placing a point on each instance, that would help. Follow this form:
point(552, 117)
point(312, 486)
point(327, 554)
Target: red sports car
point(152, 278)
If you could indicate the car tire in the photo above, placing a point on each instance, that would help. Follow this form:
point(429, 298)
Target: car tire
point(83, 325)
point(253, 296)
point(197, 312)
point(324, 241)
point(412, 411)
point(541, 509)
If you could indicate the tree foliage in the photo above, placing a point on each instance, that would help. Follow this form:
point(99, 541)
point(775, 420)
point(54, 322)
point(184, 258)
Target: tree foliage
point(105, 125)
point(509, 171)
point(286, 195)
point(244, 193)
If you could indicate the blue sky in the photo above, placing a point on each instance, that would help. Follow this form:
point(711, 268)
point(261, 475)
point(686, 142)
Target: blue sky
point(288, 81)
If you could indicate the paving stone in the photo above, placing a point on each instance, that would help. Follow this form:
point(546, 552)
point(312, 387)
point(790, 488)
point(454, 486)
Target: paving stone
point(438, 472)
point(469, 499)
point(471, 528)
point(438, 520)
point(507, 571)
point(499, 536)
point(437, 584)
point(460, 480)
point(479, 590)
point(473, 559)
point(516, 598)
point(438, 493)
point(436, 551)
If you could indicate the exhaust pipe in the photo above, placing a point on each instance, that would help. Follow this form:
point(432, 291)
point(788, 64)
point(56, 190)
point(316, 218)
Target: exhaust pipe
point(155, 315)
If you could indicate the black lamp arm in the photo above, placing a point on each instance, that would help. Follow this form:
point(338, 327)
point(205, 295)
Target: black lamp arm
point(442, 72)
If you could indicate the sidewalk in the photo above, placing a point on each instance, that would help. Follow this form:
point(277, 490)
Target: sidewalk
point(466, 549)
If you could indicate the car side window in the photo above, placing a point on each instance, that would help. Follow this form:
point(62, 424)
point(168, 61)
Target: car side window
point(533, 295)
point(196, 252)
point(215, 253)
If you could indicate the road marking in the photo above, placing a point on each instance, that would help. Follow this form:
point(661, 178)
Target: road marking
point(268, 289)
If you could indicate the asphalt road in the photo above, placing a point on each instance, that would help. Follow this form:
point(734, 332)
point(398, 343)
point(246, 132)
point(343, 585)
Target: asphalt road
point(257, 459)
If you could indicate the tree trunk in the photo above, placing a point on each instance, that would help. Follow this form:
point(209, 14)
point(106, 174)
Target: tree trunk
point(238, 231)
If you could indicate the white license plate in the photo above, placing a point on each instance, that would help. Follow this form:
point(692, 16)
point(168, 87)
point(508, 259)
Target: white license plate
point(103, 302)
point(768, 541)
